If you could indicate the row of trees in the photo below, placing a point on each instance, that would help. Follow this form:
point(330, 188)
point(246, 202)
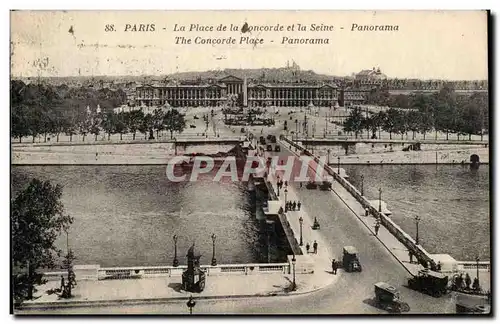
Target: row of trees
point(39, 120)
point(444, 111)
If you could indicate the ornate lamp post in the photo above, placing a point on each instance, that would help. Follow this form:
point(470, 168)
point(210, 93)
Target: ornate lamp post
point(417, 220)
point(176, 261)
point(214, 260)
point(379, 200)
point(294, 286)
point(301, 220)
point(69, 265)
point(362, 185)
point(338, 165)
point(477, 269)
point(190, 304)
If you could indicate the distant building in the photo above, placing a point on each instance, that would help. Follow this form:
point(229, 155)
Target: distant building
point(216, 93)
point(373, 77)
point(353, 96)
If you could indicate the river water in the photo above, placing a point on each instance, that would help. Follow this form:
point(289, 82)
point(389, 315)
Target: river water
point(127, 216)
point(451, 200)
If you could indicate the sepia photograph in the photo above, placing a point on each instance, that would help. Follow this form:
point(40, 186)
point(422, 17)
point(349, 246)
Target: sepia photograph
point(250, 162)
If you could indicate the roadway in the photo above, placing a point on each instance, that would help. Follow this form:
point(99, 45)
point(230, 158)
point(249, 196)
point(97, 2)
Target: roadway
point(352, 293)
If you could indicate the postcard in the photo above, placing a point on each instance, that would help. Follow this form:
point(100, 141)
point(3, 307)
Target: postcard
point(250, 162)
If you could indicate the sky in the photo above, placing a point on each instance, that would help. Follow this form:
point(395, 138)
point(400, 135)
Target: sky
point(427, 45)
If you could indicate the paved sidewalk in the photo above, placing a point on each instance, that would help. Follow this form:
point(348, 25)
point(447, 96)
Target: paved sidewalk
point(88, 292)
point(322, 259)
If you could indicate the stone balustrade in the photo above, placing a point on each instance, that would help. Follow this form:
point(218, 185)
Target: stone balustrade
point(98, 273)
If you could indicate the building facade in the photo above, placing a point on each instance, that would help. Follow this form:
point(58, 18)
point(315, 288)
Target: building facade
point(249, 95)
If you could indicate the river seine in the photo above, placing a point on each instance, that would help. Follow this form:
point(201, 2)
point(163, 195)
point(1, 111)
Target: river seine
point(127, 216)
point(451, 200)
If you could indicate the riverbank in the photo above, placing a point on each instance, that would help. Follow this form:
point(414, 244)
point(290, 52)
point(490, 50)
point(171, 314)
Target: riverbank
point(449, 156)
point(160, 153)
point(107, 154)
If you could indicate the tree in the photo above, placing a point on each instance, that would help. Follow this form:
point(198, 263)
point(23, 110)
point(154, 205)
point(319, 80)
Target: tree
point(20, 123)
point(134, 120)
point(158, 115)
point(379, 120)
point(59, 124)
point(120, 125)
point(391, 122)
point(37, 219)
point(174, 122)
point(413, 121)
point(71, 125)
point(84, 124)
point(108, 123)
point(355, 122)
point(95, 126)
point(147, 126)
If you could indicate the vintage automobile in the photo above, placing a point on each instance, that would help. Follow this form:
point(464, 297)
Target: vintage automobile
point(311, 185)
point(269, 148)
point(277, 148)
point(387, 297)
point(430, 282)
point(350, 261)
point(326, 185)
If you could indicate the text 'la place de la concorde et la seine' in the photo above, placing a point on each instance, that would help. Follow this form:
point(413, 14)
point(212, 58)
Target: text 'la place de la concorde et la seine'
point(251, 40)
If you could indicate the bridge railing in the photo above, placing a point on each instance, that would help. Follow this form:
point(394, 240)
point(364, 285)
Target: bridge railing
point(420, 253)
point(473, 265)
point(170, 271)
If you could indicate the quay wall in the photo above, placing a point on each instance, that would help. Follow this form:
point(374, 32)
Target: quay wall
point(108, 154)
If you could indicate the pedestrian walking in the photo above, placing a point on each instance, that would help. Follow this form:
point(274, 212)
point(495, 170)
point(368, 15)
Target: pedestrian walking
point(460, 281)
point(475, 284)
point(467, 281)
point(62, 283)
point(286, 183)
point(300, 183)
point(294, 205)
point(334, 267)
point(298, 206)
point(315, 247)
point(307, 248)
point(377, 227)
point(411, 256)
point(438, 266)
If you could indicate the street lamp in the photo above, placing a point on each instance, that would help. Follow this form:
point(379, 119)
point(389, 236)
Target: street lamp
point(362, 185)
point(214, 261)
point(68, 260)
point(176, 261)
point(294, 286)
point(417, 220)
point(379, 200)
point(190, 304)
point(338, 165)
point(477, 269)
point(328, 157)
point(301, 220)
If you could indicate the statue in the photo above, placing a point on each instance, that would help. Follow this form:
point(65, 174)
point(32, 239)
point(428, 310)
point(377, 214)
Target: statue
point(193, 279)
